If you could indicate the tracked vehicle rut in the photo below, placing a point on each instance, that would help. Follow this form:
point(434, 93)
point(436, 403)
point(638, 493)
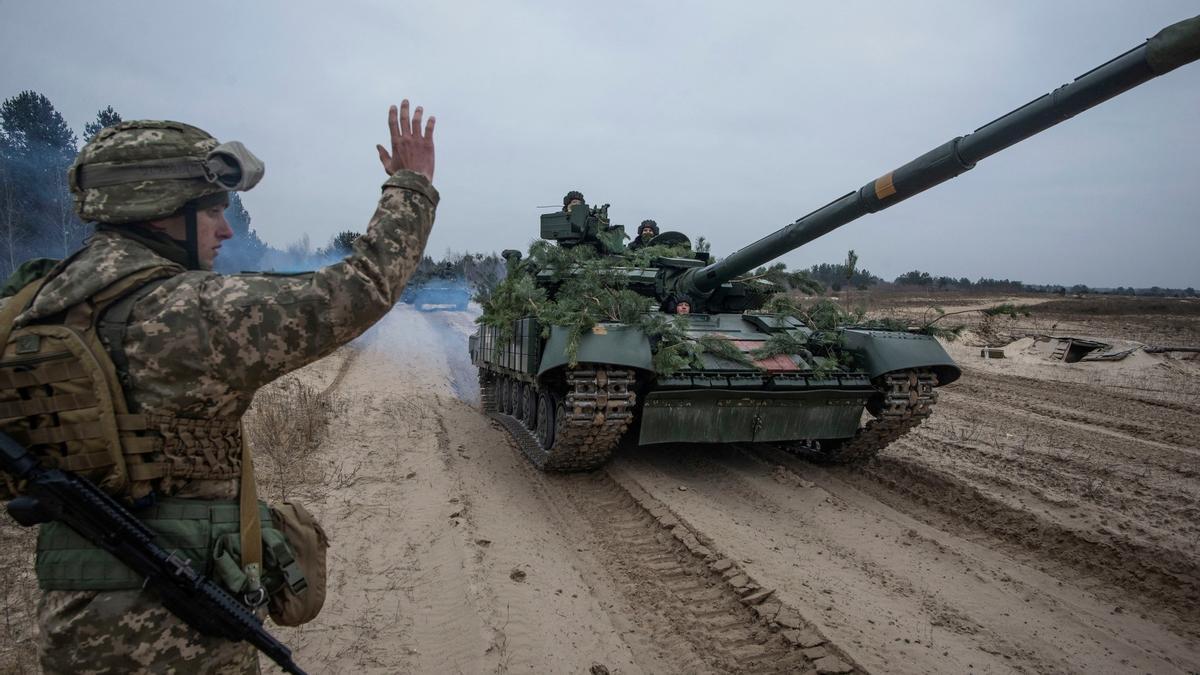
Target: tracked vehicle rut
point(688, 604)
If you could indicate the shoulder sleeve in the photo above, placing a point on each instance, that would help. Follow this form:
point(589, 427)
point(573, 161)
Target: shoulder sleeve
point(249, 329)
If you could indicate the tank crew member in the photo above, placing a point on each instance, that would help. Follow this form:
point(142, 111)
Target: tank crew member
point(677, 304)
point(646, 231)
point(571, 199)
point(192, 347)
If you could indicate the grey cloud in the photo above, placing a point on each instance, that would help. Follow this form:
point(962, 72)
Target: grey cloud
point(722, 120)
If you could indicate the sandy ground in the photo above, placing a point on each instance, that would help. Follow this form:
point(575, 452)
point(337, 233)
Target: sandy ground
point(1044, 520)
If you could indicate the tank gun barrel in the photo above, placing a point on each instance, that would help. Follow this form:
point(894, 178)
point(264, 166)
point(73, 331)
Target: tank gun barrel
point(1173, 46)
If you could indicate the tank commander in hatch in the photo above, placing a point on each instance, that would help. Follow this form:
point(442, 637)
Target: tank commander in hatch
point(192, 347)
point(646, 231)
point(571, 199)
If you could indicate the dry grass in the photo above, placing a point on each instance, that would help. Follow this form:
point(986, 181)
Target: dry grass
point(285, 428)
point(18, 599)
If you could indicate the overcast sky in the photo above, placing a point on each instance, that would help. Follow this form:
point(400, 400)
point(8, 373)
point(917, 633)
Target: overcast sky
point(727, 120)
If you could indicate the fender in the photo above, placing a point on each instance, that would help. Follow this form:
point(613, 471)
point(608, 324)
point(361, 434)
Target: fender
point(609, 343)
point(881, 352)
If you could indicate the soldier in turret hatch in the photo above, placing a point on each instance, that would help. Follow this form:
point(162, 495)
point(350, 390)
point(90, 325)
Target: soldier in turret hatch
point(677, 304)
point(646, 231)
point(571, 199)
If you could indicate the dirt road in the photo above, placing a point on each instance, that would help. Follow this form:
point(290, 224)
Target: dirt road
point(1018, 531)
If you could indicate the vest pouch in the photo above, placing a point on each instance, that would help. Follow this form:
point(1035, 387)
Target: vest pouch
point(308, 544)
point(205, 533)
point(281, 571)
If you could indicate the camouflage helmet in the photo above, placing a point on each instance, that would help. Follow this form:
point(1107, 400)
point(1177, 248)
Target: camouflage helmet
point(572, 195)
point(147, 169)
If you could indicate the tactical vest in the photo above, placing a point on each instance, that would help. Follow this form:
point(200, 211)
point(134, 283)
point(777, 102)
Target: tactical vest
point(61, 396)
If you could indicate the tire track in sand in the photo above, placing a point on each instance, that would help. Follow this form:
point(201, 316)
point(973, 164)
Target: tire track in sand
point(899, 594)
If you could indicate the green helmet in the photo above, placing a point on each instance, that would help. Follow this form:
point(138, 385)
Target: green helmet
point(148, 169)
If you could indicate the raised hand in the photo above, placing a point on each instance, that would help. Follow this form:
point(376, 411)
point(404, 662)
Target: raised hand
point(411, 149)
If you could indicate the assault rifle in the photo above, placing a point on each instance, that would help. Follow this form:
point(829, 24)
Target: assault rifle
point(53, 494)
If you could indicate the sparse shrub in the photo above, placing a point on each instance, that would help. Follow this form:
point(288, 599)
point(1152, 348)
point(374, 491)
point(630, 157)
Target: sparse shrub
point(18, 599)
point(285, 427)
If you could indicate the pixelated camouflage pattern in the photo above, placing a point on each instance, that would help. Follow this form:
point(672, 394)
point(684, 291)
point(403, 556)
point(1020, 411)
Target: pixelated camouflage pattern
point(136, 141)
point(199, 345)
point(90, 633)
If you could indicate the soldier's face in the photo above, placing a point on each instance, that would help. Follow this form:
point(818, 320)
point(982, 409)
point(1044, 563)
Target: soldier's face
point(211, 230)
point(683, 308)
point(647, 234)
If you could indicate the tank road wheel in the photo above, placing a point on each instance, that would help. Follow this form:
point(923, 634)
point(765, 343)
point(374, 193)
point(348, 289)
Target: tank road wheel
point(908, 398)
point(515, 402)
point(487, 391)
point(575, 427)
point(529, 397)
point(503, 399)
point(519, 409)
point(546, 417)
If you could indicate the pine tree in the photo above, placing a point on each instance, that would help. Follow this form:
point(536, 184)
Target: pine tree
point(36, 215)
point(104, 118)
point(32, 127)
point(342, 243)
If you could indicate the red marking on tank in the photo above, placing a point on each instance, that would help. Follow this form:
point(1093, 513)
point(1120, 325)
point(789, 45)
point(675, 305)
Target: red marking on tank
point(772, 364)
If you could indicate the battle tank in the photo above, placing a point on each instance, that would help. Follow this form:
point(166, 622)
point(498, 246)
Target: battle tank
point(569, 396)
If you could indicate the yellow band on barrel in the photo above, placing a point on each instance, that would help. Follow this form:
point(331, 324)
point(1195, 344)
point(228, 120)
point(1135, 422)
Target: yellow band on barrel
point(884, 186)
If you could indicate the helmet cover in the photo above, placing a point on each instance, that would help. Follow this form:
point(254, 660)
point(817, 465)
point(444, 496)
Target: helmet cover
point(147, 169)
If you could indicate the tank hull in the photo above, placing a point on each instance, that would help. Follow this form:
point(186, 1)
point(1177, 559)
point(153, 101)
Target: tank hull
point(786, 398)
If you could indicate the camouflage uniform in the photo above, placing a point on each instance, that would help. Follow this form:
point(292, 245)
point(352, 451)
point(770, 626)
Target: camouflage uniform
point(199, 345)
point(638, 242)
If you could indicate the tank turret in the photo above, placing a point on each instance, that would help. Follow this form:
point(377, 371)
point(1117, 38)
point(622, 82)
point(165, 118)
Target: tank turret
point(584, 225)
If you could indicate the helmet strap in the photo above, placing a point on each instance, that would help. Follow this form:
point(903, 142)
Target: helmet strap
point(192, 244)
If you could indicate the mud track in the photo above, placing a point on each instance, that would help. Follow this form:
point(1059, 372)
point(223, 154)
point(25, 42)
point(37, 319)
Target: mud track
point(1013, 532)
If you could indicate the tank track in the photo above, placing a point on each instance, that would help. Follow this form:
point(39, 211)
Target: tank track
point(908, 400)
point(589, 420)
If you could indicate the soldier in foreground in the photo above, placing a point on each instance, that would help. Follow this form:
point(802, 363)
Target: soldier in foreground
point(191, 347)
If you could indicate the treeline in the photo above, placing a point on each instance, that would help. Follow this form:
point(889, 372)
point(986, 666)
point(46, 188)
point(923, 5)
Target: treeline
point(836, 277)
point(482, 271)
point(36, 147)
point(37, 218)
point(925, 280)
